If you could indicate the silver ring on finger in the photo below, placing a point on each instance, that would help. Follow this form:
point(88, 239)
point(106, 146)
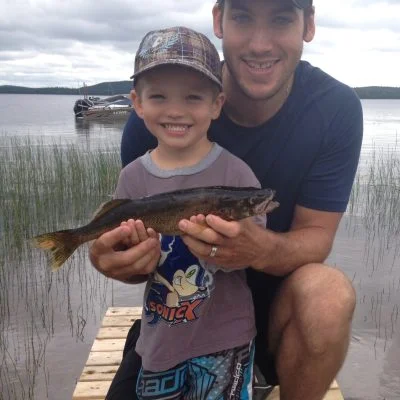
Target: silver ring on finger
point(213, 251)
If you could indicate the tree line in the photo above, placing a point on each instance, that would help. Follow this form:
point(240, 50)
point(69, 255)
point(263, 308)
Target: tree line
point(124, 87)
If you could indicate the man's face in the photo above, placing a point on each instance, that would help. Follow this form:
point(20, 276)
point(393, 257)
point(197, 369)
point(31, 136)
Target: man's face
point(262, 43)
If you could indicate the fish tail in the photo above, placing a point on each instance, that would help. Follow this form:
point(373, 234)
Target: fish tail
point(59, 245)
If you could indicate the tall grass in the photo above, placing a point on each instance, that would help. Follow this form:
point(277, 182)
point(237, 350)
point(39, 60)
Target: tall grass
point(374, 217)
point(375, 198)
point(44, 187)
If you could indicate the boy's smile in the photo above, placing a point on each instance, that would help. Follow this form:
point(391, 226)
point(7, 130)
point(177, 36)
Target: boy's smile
point(177, 105)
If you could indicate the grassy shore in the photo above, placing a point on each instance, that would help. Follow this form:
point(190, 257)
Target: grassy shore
point(44, 187)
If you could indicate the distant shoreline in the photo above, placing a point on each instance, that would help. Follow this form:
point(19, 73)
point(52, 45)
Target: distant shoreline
point(124, 87)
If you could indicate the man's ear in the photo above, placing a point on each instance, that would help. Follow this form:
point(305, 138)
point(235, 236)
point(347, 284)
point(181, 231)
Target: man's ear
point(309, 26)
point(217, 21)
point(136, 103)
point(218, 103)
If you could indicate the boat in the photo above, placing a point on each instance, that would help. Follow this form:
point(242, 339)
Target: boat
point(117, 106)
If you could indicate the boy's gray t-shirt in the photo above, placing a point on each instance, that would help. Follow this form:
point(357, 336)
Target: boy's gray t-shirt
point(190, 310)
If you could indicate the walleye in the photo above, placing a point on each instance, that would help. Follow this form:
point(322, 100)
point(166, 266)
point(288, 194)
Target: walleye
point(162, 212)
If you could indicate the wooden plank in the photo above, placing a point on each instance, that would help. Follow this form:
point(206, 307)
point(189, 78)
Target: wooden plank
point(91, 390)
point(113, 332)
point(108, 344)
point(118, 321)
point(102, 358)
point(114, 311)
point(334, 385)
point(94, 390)
point(334, 393)
point(98, 373)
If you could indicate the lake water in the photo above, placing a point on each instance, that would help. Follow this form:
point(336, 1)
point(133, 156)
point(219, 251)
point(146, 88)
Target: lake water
point(372, 368)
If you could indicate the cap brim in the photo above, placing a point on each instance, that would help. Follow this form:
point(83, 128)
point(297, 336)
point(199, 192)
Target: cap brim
point(182, 63)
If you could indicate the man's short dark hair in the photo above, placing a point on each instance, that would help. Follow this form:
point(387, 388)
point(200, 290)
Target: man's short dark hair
point(221, 3)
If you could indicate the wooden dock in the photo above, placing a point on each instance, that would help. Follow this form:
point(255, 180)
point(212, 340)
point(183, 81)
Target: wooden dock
point(106, 354)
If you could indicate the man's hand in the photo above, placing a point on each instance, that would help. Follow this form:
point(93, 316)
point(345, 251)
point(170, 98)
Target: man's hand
point(127, 253)
point(244, 243)
point(237, 242)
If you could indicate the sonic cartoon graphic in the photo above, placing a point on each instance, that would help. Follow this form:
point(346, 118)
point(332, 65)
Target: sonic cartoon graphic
point(179, 286)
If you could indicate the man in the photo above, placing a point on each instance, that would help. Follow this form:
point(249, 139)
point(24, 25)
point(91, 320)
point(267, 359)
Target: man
point(300, 131)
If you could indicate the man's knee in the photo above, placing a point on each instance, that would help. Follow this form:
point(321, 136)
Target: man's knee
point(322, 302)
point(328, 307)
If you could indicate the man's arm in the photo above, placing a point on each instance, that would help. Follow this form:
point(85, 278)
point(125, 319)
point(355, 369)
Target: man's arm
point(309, 240)
point(241, 244)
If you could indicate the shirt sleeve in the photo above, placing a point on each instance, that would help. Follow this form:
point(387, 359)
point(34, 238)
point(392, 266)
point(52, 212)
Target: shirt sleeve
point(327, 186)
point(131, 183)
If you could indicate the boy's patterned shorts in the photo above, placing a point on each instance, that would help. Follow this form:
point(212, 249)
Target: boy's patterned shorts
point(227, 375)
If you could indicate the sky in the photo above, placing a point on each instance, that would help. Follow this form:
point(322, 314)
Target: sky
point(69, 42)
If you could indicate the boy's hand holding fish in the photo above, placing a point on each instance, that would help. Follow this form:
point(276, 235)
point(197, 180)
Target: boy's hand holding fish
point(127, 253)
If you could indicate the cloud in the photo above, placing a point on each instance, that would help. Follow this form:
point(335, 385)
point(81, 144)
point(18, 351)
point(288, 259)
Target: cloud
point(63, 43)
point(365, 15)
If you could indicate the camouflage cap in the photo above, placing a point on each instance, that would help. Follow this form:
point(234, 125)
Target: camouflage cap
point(178, 46)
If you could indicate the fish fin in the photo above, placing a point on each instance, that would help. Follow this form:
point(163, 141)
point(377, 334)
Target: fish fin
point(107, 206)
point(271, 206)
point(59, 245)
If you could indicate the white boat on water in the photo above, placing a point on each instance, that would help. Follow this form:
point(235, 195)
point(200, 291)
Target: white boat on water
point(118, 106)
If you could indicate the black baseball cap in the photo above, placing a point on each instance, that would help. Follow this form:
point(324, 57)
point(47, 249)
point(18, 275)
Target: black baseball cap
point(297, 3)
point(302, 3)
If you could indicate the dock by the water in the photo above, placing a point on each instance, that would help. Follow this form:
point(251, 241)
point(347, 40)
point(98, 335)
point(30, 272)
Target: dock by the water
point(106, 355)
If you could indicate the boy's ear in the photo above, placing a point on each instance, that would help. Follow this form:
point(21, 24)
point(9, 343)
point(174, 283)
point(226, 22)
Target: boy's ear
point(218, 103)
point(136, 103)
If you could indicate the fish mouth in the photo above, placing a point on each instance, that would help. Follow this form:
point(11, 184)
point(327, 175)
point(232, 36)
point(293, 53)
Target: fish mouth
point(266, 206)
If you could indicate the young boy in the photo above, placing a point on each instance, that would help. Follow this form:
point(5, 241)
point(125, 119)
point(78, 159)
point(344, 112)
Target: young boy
point(197, 331)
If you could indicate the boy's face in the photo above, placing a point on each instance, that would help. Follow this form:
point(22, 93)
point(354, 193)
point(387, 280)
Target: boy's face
point(262, 43)
point(177, 105)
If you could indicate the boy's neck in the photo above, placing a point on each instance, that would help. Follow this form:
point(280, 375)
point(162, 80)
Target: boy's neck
point(169, 159)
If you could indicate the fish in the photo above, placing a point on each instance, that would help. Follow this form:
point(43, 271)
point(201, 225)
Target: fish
point(162, 212)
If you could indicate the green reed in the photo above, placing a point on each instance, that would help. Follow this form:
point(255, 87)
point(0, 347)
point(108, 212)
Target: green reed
point(375, 198)
point(45, 187)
